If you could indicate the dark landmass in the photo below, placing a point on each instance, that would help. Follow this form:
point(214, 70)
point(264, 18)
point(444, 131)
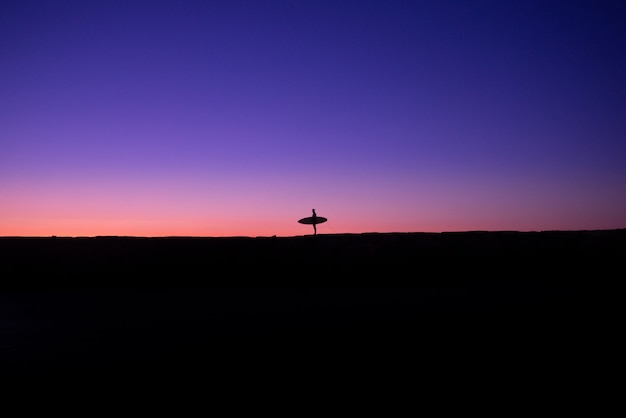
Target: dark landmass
point(378, 259)
point(433, 306)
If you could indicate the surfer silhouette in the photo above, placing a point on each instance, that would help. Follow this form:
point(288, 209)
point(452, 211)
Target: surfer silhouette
point(313, 220)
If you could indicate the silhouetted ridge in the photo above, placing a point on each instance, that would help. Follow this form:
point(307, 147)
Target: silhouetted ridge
point(329, 259)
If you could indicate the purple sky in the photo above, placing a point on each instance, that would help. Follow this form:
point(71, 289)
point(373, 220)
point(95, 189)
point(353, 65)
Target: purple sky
point(236, 118)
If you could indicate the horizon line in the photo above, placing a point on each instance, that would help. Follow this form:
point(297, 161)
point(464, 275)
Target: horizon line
point(307, 235)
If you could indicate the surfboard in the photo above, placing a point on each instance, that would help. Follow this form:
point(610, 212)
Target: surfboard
point(309, 220)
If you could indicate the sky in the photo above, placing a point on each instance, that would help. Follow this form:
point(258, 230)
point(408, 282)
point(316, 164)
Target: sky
point(237, 118)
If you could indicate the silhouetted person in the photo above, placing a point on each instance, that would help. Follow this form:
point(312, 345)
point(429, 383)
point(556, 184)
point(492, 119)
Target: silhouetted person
point(314, 222)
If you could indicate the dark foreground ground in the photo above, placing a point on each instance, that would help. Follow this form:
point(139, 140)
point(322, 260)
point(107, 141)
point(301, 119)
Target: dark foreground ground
point(495, 312)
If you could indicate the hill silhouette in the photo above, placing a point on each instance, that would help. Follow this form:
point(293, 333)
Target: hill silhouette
point(448, 304)
point(379, 259)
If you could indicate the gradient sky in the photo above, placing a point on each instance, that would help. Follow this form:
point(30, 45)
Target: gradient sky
point(236, 118)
